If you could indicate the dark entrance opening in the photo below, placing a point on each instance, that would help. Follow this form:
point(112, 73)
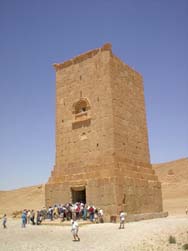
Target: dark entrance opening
point(78, 194)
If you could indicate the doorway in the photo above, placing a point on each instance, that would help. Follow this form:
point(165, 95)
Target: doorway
point(78, 194)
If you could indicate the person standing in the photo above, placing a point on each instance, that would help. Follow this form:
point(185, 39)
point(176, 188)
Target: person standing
point(101, 215)
point(24, 218)
point(74, 230)
point(32, 217)
point(38, 218)
point(4, 221)
point(84, 215)
point(28, 216)
point(122, 219)
point(91, 213)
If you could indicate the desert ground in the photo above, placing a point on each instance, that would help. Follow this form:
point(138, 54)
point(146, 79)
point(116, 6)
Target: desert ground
point(143, 235)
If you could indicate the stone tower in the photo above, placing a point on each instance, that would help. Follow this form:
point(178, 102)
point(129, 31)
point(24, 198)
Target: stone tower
point(102, 152)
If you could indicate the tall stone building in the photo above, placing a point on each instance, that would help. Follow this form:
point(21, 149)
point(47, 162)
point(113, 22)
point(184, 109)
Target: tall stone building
point(102, 152)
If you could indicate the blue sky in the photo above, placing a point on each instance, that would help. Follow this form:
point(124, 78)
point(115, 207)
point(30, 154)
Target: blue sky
point(149, 35)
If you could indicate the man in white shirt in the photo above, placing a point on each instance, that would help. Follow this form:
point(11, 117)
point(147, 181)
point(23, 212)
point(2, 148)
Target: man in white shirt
point(74, 230)
point(122, 219)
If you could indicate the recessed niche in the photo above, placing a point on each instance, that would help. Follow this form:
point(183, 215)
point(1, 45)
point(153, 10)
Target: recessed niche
point(83, 136)
point(81, 112)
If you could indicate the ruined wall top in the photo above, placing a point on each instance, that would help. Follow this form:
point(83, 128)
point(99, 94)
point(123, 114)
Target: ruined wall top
point(82, 57)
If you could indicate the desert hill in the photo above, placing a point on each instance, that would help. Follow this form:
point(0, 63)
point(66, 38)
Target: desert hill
point(23, 198)
point(173, 171)
point(174, 179)
point(173, 176)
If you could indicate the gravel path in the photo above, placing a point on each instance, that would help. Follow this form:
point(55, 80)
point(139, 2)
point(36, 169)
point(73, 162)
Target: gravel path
point(144, 235)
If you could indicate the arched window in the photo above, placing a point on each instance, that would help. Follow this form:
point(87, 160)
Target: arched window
point(81, 110)
point(81, 106)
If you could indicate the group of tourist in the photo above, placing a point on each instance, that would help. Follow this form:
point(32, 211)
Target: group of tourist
point(68, 211)
point(72, 212)
point(29, 216)
point(76, 211)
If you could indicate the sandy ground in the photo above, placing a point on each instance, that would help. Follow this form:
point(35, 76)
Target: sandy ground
point(144, 235)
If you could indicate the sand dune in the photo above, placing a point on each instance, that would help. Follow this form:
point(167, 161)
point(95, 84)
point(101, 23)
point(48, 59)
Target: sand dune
point(173, 176)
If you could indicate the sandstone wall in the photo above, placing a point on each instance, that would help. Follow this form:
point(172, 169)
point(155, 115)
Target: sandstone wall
point(138, 189)
point(130, 129)
point(82, 147)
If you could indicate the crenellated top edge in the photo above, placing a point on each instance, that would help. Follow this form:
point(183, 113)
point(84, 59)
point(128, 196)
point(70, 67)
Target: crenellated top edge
point(82, 57)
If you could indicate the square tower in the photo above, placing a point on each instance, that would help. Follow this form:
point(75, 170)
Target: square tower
point(102, 152)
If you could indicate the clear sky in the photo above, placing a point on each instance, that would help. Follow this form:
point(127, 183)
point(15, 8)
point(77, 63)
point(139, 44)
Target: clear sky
point(149, 35)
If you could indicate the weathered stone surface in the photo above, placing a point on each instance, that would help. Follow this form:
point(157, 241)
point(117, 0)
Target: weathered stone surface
point(101, 136)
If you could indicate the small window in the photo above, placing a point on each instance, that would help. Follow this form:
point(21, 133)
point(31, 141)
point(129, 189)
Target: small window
point(81, 106)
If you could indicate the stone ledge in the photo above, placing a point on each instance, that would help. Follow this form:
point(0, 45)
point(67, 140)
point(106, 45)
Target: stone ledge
point(81, 119)
point(82, 57)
